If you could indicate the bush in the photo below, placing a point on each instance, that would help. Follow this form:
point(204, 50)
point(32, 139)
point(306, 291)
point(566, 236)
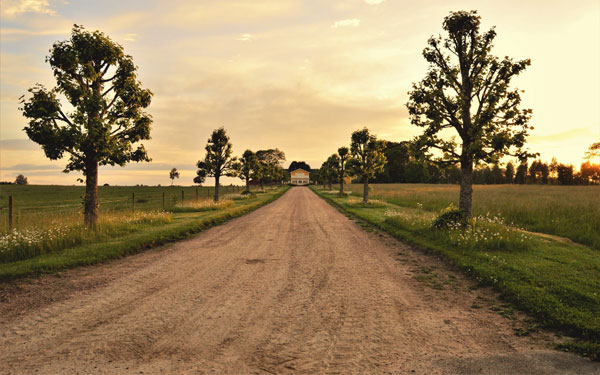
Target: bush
point(246, 192)
point(451, 219)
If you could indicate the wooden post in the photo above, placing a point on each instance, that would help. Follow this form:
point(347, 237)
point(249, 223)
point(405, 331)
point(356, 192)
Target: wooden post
point(163, 200)
point(10, 212)
point(132, 201)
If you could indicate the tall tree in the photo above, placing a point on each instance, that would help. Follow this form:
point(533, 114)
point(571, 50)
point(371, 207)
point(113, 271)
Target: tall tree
point(247, 165)
point(315, 176)
point(21, 180)
point(329, 169)
point(343, 156)
point(565, 174)
point(368, 158)
point(521, 174)
point(218, 161)
point(497, 177)
point(509, 173)
point(173, 174)
point(268, 168)
point(99, 82)
point(467, 89)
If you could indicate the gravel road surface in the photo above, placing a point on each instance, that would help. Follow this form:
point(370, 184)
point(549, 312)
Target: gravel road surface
point(294, 287)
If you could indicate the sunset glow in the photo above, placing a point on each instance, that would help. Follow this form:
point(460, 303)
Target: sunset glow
point(296, 75)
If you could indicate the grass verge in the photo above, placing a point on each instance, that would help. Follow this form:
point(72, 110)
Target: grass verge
point(556, 282)
point(144, 237)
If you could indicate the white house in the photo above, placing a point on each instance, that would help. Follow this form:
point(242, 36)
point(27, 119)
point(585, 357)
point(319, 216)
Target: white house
point(299, 177)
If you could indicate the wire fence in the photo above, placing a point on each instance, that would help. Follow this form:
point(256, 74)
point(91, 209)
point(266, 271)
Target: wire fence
point(28, 210)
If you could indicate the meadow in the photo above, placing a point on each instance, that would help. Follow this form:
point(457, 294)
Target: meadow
point(41, 205)
point(572, 212)
point(48, 233)
point(556, 281)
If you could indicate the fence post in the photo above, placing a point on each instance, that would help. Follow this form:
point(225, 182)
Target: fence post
point(132, 201)
point(163, 200)
point(10, 212)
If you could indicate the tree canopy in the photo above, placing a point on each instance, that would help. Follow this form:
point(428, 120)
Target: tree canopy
point(467, 89)
point(218, 160)
point(99, 82)
point(368, 158)
point(299, 165)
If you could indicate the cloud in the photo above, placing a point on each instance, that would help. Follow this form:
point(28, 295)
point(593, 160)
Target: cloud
point(131, 37)
point(245, 37)
point(18, 145)
point(15, 8)
point(374, 2)
point(351, 22)
point(561, 136)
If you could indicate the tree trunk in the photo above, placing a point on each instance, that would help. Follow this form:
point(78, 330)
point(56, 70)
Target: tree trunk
point(341, 185)
point(247, 184)
point(90, 208)
point(217, 188)
point(366, 191)
point(262, 185)
point(466, 185)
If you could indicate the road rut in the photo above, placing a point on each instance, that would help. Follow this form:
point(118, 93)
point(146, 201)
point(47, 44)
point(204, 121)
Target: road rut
point(294, 287)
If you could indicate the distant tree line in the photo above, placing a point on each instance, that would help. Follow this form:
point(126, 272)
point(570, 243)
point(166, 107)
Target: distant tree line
point(405, 165)
point(20, 180)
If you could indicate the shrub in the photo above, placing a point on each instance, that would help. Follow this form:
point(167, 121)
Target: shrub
point(451, 219)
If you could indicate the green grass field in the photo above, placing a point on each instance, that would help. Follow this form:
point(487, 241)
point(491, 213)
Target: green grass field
point(37, 204)
point(555, 281)
point(567, 211)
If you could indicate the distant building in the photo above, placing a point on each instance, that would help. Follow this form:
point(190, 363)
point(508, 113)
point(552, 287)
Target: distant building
point(299, 177)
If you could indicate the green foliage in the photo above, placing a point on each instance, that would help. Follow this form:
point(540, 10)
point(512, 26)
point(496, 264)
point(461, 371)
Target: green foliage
point(469, 93)
point(105, 122)
point(368, 158)
point(467, 89)
point(21, 180)
point(268, 166)
point(299, 165)
point(329, 171)
point(173, 174)
point(452, 218)
point(218, 160)
point(246, 166)
point(344, 157)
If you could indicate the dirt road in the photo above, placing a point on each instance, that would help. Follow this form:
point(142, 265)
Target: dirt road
point(294, 287)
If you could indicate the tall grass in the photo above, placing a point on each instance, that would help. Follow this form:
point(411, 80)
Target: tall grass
point(33, 203)
point(63, 231)
point(567, 211)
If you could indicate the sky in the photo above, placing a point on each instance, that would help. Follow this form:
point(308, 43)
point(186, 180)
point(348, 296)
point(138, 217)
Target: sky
point(300, 76)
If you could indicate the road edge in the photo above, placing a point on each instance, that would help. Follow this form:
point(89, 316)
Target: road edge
point(96, 253)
